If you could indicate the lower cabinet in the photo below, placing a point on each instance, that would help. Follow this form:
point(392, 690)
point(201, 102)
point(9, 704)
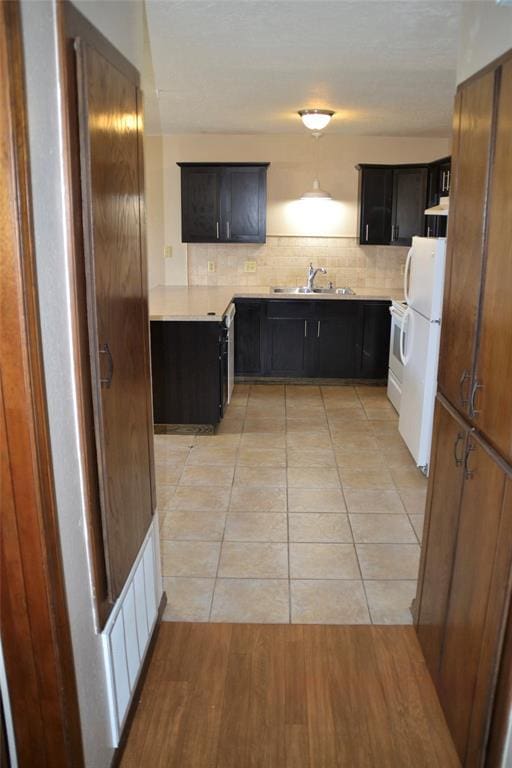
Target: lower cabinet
point(248, 336)
point(464, 584)
point(308, 338)
point(189, 367)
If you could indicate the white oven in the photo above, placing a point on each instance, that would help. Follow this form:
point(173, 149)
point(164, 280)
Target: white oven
point(396, 367)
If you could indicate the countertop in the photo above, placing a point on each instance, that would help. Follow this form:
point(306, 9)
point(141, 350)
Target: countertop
point(200, 303)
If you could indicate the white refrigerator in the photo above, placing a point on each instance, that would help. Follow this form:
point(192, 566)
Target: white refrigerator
point(419, 344)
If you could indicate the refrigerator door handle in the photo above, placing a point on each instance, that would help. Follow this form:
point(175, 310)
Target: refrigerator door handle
point(407, 270)
point(409, 326)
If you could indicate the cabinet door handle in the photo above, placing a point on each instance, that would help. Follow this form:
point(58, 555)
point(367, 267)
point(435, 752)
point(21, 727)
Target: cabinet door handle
point(459, 460)
point(318, 330)
point(468, 472)
point(218, 232)
point(472, 410)
point(392, 233)
point(448, 177)
point(442, 180)
point(463, 379)
point(366, 233)
point(107, 381)
point(305, 329)
point(228, 230)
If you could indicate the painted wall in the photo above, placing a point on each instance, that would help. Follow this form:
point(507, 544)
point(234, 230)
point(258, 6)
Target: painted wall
point(52, 258)
point(121, 21)
point(154, 186)
point(290, 174)
point(485, 34)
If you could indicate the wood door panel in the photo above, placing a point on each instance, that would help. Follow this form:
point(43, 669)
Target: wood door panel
point(409, 201)
point(287, 343)
point(109, 128)
point(476, 606)
point(376, 205)
point(200, 204)
point(440, 534)
point(244, 205)
point(494, 367)
point(248, 338)
point(472, 142)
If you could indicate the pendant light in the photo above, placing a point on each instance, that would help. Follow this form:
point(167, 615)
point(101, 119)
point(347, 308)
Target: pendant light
point(316, 193)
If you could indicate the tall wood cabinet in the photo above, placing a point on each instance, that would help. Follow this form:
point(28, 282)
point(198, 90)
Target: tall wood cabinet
point(106, 123)
point(463, 599)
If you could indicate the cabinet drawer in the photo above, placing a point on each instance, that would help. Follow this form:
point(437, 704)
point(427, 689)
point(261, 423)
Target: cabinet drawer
point(292, 308)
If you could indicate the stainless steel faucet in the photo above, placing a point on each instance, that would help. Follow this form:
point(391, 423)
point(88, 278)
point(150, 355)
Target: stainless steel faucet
point(312, 273)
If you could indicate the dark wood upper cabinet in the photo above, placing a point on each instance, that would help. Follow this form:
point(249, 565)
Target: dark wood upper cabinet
point(409, 200)
point(200, 204)
point(376, 197)
point(223, 203)
point(393, 199)
point(244, 204)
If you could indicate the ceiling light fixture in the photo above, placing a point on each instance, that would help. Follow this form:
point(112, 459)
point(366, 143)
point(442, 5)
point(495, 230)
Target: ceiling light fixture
point(316, 119)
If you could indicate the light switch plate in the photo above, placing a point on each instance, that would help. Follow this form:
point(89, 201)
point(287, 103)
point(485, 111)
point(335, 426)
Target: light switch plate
point(168, 251)
point(250, 266)
point(211, 266)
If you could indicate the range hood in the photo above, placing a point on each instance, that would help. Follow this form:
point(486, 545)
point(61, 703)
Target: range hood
point(439, 210)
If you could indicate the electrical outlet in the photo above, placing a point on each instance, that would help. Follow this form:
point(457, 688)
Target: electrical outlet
point(250, 266)
point(211, 266)
point(168, 251)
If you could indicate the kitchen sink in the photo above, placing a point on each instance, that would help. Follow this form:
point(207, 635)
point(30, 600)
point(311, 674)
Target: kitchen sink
point(303, 289)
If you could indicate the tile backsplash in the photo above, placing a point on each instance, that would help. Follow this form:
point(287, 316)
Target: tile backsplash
point(284, 261)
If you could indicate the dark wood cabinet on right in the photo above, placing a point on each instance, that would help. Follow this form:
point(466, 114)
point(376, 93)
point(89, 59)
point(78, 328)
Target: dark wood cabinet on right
point(393, 199)
point(464, 586)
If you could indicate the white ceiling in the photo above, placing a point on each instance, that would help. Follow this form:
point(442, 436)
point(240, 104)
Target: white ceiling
point(246, 66)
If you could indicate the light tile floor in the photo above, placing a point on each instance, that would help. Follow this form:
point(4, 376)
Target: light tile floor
point(306, 506)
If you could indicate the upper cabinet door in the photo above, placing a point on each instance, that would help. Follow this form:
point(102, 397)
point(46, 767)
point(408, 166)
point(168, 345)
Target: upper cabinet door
point(409, 202)
point(112, 198)
point(491, 404)
point(376, 204)
point(200, 204)
point(244, 204)
point(472, 144)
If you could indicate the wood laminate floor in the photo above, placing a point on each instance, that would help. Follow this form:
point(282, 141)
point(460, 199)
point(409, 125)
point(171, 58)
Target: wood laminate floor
point(287, 696)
